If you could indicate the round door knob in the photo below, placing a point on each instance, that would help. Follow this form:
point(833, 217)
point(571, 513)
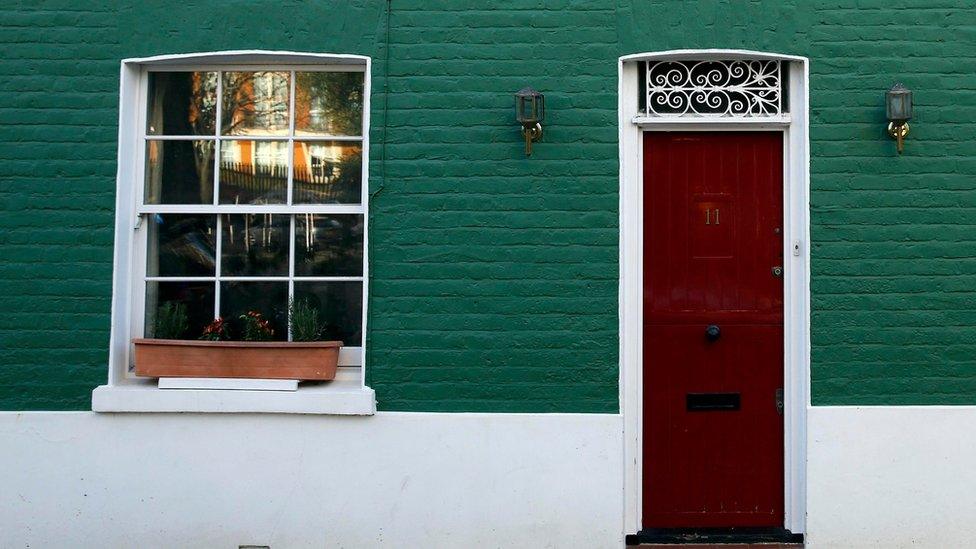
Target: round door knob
point(713, 332)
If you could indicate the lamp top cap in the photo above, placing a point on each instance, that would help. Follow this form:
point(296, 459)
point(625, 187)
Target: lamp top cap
point(899, 87)
point(528, 91)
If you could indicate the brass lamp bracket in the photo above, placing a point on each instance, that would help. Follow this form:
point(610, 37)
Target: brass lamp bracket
point(531, 133)
point(899, 132)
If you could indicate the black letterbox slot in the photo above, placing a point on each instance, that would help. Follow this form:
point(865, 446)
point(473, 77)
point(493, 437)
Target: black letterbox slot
point(703, 402)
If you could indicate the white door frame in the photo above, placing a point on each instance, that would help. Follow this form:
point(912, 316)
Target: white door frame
point(796, 264)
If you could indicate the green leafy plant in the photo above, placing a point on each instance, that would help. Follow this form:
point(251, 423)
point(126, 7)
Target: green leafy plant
point(305, 325)
point(171, 321)
point(216, 331)
point(255, 327)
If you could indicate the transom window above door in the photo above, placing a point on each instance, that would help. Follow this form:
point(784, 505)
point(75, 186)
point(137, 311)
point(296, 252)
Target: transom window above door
point(715, 88)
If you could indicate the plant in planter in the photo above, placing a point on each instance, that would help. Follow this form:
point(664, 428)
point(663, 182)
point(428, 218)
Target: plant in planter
point(256, 328)
point(171, 321)
point(215, 355)
point(305, 325)
point(216, 331)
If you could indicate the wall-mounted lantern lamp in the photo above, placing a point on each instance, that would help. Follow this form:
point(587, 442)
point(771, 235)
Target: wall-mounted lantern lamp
point(530, 110)
point(898, 103)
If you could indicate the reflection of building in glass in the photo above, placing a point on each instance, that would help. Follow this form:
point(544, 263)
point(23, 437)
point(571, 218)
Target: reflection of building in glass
point(255, 103)
point(254, 154)
point(253, 171)
point(320, 162)
point(327, 171)
point(271, 99)
point(324, 171)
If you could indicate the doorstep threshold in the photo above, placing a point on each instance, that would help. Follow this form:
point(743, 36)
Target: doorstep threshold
point(714, 536)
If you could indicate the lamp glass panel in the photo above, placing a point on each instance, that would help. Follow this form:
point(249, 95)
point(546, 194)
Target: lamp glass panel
point(527, 112)
point(906, 105)
point(899, 105)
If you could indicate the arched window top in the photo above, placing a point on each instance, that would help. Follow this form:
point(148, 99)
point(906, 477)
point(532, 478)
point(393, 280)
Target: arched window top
point(245, 57)
point(709, 54)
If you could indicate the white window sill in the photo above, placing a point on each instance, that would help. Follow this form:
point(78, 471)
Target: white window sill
point(338, 397)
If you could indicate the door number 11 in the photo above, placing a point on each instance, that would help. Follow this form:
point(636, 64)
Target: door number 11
point(709, 217)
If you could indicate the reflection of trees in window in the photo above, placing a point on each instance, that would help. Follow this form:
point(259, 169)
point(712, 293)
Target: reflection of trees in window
point(348, 181)
point(184, 103)
point(254, 102)
point(179, 172)
point(315, 257)
point(329, 103)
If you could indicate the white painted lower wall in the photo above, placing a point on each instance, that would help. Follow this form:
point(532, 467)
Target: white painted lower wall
point(891, 477)
point(877, 477)
point(394, 479)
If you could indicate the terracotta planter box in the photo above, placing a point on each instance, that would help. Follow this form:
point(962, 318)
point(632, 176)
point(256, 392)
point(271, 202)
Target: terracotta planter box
point(314, 360)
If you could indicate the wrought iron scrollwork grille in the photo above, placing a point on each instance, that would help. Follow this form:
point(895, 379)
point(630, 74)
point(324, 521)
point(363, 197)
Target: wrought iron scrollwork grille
point(715, 88)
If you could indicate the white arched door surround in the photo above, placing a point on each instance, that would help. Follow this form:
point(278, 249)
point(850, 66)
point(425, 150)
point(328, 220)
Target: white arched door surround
point(632, 123)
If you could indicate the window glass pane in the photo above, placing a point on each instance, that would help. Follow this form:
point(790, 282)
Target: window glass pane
point(328, 245)
point(254, 245)
point(328, 103)
point(179, 172)
point(166, 320)
point(255, 103)
point(182, 103)
point(340, 307)
point(253, 172)
point(268, 298)
point(328, 172)
point(180, 245)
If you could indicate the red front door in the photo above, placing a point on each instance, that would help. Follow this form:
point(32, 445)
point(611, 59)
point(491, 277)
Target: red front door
point(713, 329)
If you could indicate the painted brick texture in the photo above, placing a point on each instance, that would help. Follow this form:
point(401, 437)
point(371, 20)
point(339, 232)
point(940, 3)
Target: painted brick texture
point(494, 277)
point(58, 112)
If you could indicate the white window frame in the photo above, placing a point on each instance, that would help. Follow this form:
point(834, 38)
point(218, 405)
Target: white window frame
point(124, 392)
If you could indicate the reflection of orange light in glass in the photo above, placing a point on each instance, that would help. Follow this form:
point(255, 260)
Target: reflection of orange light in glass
point(197, 99)
point(245, 151)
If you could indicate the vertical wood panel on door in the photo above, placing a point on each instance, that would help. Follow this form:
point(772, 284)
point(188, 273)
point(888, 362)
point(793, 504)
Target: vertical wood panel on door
point(713, 329)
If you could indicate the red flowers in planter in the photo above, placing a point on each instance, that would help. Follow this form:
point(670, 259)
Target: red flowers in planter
point(256, 328)
point(216, 331)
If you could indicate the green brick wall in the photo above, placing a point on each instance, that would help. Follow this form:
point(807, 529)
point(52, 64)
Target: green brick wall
point(494, 277)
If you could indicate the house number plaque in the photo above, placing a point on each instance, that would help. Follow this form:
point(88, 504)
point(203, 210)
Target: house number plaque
point(710, 218)
point(711, 226)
